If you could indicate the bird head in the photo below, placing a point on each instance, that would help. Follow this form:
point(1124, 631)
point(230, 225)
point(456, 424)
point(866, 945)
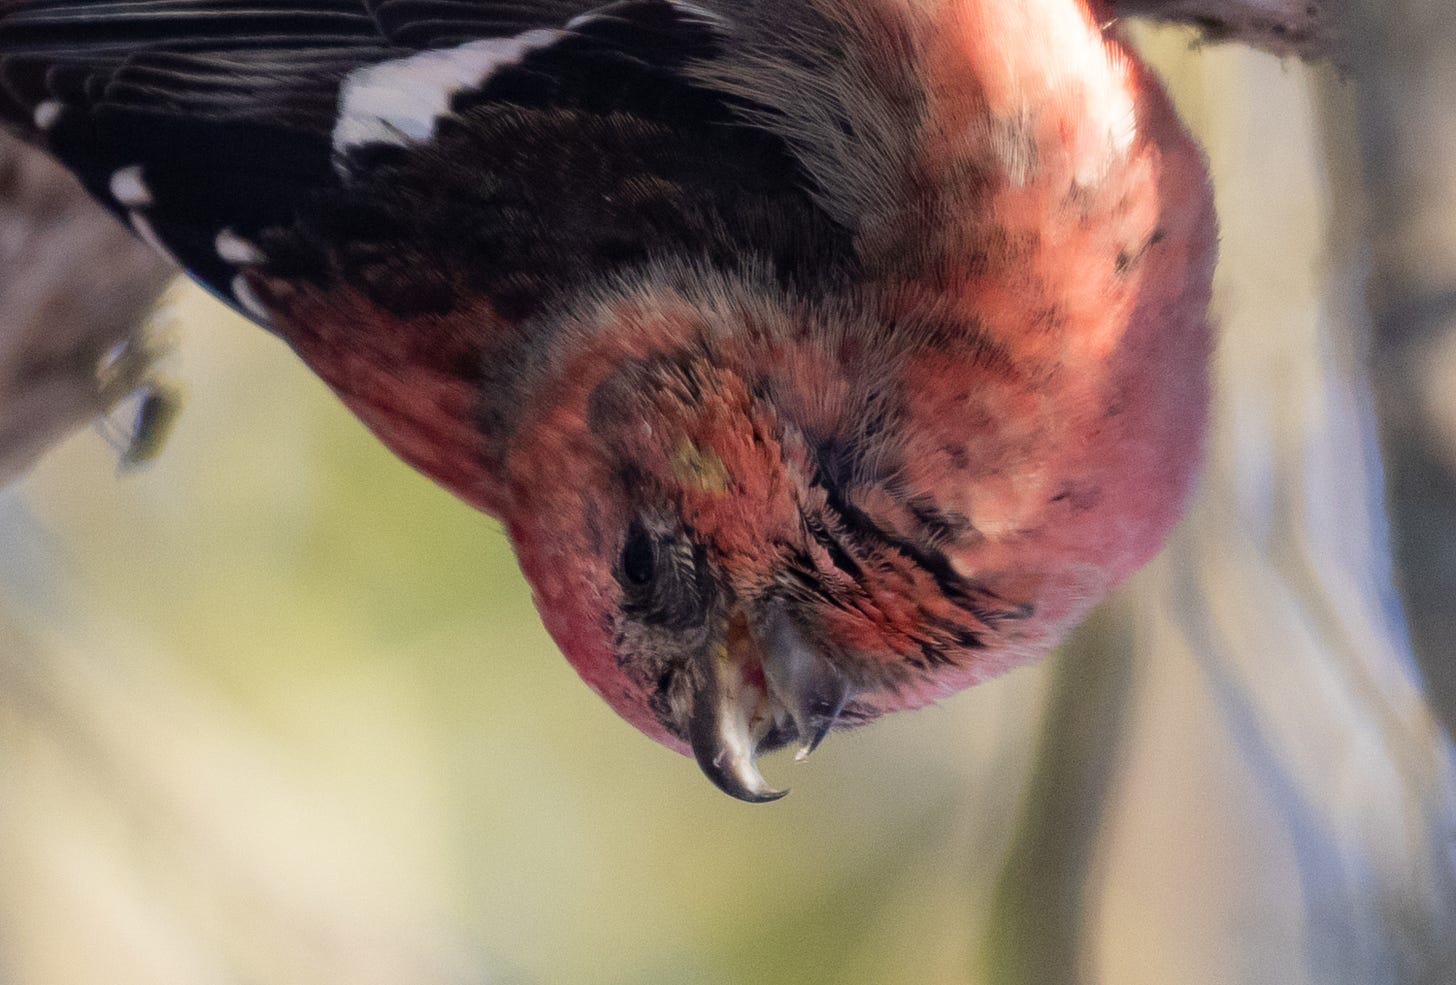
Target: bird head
point(695, 536)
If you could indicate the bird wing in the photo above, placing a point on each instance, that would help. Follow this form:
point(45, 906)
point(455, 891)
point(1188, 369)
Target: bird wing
point(426, 152)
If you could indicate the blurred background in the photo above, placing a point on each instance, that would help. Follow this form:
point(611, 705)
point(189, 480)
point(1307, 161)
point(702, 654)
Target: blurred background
point(277, 710)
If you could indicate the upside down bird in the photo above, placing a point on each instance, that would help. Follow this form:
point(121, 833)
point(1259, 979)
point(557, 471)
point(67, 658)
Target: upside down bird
point(821, 357)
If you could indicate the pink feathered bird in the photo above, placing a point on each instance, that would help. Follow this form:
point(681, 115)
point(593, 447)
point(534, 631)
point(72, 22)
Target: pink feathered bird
point(822, 357)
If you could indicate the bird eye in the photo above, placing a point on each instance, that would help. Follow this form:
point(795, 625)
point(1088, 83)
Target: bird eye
point(663, 578)
point(639, 557)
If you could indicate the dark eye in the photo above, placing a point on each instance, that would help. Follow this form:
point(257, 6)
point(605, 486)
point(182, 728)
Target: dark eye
point(639, 557)
point(663, 578)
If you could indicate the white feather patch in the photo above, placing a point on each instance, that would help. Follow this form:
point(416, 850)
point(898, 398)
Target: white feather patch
point(147, 233)
point(237, 251)
point(581, 20)
point(400, 102)
point(696, 12)
point(47, 113)
point(128, 187)
point(243, 292)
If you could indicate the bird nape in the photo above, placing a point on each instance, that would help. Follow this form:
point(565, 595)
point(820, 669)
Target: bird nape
point(821, 357)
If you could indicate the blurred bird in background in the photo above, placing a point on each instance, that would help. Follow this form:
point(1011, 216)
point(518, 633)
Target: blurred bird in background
point(75, 338)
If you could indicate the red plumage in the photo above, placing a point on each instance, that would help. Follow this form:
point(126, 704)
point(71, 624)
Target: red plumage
point(821, 358)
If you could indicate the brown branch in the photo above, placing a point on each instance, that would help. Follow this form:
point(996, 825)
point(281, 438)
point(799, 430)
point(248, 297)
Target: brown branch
point(1284, 27)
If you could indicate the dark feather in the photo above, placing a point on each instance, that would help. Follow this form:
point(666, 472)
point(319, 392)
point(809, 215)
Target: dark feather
point(590, 154)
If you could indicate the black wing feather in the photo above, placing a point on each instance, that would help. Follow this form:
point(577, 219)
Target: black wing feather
point(580, 155)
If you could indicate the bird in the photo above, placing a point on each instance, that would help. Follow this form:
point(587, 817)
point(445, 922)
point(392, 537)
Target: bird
point(821, 358)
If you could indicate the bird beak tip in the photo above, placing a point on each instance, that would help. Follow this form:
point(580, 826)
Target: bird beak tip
point(757, 682)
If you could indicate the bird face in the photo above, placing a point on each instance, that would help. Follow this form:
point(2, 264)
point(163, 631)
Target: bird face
point(676, 594)
point(722, 567)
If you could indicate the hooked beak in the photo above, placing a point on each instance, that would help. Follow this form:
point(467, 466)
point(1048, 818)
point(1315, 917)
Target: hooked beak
point(760, 689)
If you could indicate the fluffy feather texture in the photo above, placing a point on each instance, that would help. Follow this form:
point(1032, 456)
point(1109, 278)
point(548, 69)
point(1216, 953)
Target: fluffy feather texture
point(822, 357)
